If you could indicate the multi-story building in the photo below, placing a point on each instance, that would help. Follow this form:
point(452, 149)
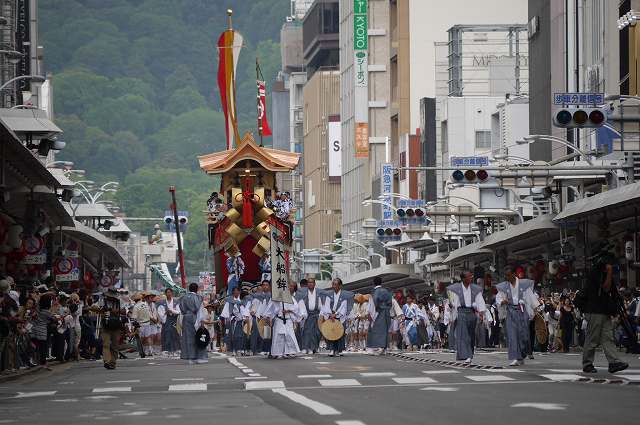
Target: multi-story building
point(322, 162)
point(417, 28)
point(363, 103)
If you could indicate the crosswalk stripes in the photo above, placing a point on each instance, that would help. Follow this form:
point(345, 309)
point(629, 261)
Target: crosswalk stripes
point(112, 390)
point(188, 387)
point(489, 378)
point(415, 380)
point(338, 382)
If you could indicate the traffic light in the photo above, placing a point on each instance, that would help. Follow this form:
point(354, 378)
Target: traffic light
point(470, 176)
point(408, 213)
point(389, 233)
point(579, 117)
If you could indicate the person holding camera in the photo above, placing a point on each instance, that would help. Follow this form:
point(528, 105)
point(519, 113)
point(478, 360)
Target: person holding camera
point(112, 327)
point(599, 305)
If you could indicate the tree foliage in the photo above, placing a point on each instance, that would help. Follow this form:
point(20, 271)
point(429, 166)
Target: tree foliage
point(135, 92)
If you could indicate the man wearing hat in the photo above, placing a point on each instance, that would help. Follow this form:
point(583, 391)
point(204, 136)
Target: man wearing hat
point(112, 327)
point(142, 314)
point(335, 308)
point(168, 312)
point(467, 303)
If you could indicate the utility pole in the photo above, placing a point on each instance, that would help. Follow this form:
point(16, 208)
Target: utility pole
point(174, 208)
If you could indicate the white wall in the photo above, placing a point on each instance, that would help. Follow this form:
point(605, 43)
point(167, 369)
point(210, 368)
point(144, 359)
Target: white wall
point(429, 22)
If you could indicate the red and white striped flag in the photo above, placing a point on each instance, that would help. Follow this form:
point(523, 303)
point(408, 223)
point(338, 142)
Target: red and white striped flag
point(263, 124)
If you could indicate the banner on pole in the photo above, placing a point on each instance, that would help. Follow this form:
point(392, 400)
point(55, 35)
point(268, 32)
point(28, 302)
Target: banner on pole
point(279, 267)
point(362, 140)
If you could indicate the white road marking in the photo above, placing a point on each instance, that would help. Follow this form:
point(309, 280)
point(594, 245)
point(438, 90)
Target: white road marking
point(416, 380)
point(100, 397)
point(247, 370)
point(316, 406)
point(562, 377)
point(565, 370)
point(323, 362)
point(503, 370)
point(307, 357)
point(488, 378)
point(131, 381)
point(187, 379)
point(373, 374)
point(443, 389)
point(439, 372)
point(138, 413)
point(128, 404)
point(65, 400)
point(338, 382)
point(112, 390)
point(629, 377)
point(188, 387)
point(263, 385)
point(314, 376)
point(253, 375)
point(350, 423)
point(240, 378)
point(35, 394)
point(173, 416)
point(542, 406)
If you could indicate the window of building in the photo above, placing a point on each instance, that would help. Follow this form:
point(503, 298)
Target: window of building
point(483, 139)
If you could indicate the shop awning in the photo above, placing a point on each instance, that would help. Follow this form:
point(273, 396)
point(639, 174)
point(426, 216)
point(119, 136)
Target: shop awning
point(22, 166)
point(475, 249)
point(81, 211)
point(432, 259)
point(612, 201)
point(46, 200)
point(522, 231)
point(29, 122)
point(101, 243)
point(63, 181)
point(392, 275)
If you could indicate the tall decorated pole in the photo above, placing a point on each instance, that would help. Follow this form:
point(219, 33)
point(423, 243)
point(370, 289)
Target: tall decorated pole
point(229, 45)
point(174, 208)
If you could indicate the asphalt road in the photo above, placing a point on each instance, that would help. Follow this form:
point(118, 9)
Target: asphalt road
point(352, 390)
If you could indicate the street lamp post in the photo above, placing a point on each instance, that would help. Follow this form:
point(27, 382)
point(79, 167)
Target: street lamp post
point(37, 78)
point(535, 137)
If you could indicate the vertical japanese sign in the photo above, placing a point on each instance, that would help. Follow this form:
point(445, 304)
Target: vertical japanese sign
point(279, 267)
point(362, 140)
point(23, 43)
point(361, 76)
point(386, 189)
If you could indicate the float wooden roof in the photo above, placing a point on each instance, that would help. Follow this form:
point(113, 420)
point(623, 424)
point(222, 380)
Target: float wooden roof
point(271, 159)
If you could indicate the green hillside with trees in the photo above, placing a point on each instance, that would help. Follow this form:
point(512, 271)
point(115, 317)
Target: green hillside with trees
point(135, 92)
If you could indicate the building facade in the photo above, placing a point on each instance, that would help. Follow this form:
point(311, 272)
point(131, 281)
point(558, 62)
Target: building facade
point(322, 217)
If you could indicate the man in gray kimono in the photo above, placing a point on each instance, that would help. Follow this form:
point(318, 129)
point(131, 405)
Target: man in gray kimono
point(518, 297)
point(310, 331)
point(380, 312)
point(466, 302)
point(190, 305)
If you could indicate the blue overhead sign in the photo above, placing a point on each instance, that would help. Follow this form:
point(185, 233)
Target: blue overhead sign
point(469, 161)
point(578, 98)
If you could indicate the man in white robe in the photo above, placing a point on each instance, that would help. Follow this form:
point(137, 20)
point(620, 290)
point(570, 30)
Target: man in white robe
point(335, 308)
point(283, 337)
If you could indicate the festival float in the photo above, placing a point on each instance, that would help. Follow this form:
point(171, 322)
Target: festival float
point(247, 217)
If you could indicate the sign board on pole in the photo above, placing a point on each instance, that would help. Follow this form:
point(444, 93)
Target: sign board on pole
point(469, 161)
point(279, 267)
point(386, 189)
point(578, 98)
point(334, 134)
point(362, 140)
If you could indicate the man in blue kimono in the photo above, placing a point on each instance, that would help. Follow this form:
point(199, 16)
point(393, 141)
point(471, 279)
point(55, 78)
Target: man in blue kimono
point(190, 305)
point(466, 303)
point(520, 300)
point(380, 312)
point(310, 331)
